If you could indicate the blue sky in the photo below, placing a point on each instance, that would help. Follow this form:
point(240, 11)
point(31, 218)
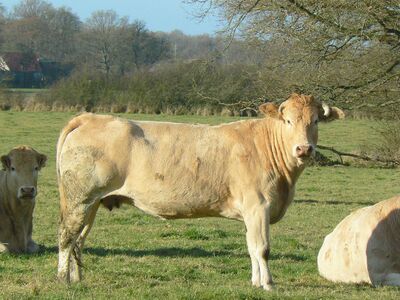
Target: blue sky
point(159, 15)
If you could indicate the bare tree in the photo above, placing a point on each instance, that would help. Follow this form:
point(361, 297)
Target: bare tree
point(63, 29)
point(2, 23)
point(31, 9)
point(35, 26)
point(103, 36)
point(346, 50)
point(114, 45)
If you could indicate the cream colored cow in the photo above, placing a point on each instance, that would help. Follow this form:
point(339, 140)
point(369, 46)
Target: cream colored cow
point(243, 170)
point(365, 246)
point(18, 189)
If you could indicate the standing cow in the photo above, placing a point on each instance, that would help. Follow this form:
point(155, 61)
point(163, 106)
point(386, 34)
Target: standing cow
point(365, 246)
point(243, 170)
point(18, 189)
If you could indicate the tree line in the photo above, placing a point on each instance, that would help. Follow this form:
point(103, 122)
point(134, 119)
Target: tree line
point(344, 52)
point(104, 42)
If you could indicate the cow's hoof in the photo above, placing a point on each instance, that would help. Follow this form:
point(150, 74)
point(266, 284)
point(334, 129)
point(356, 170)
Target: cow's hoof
point(75, 277)
point(269, 287)
point(63, 277)
point(256, 282)
point(32, 247)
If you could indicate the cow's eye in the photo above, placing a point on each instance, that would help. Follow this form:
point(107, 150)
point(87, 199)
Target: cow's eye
point(36, 168)
point(12, 169)
point(316, 121)
point(288, 122)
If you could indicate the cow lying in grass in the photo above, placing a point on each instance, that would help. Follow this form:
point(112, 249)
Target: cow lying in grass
point(365, 246)
point(18, 189)
point(244, 170)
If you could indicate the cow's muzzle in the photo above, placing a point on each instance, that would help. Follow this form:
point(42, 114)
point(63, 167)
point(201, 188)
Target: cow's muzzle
point(304, 151)
point(27, 192)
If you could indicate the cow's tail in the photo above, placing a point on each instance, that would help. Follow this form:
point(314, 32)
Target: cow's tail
point(70, 127)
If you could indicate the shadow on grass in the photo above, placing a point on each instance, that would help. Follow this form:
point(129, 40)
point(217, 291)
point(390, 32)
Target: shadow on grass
point(332, 202)
point(182, 252)
point(43, 250)
point(161, 252)
point(170, 252)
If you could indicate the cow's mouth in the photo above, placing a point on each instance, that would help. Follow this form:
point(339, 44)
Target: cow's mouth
point(304, 160)
point(27, 196)
point(27, 192)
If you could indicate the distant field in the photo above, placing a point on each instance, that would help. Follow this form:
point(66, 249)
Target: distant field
point(24, 91)
point(130, 255)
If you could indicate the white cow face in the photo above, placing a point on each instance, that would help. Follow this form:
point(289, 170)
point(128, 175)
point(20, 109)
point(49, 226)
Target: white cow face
point(299, 116)
point(22, 165)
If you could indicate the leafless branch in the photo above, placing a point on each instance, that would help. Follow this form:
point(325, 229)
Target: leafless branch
point(362, 157)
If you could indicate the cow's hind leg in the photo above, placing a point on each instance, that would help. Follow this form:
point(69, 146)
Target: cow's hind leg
point(68, 232)
point(76, 256)
point(256, 219)
point(84, 174)
point(71, 225)
point(78, 208)
point(74, 228)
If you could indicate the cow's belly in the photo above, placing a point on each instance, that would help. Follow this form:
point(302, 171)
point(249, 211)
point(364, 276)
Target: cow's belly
point(177, 209)
point(177, 200)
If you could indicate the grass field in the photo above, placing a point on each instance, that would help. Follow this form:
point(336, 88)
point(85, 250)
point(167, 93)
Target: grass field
point(24, 92)
point(130, 255)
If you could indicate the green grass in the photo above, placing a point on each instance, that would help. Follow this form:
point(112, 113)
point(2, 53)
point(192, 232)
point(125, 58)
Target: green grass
point(130, 255)
point(25, 90)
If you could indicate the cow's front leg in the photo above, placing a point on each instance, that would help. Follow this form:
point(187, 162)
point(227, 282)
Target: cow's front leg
point(256, 218)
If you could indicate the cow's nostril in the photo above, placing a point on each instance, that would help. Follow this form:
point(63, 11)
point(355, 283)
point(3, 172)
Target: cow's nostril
point(304, 151)
point(27, 190)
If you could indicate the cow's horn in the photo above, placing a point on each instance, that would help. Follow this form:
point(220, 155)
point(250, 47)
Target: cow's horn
point(327, 109)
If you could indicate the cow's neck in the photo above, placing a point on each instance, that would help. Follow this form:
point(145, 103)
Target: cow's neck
point(16, 217)
point(274, 152)
point(8, 199)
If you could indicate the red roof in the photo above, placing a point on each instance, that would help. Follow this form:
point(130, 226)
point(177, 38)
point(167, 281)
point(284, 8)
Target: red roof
point(21, 62)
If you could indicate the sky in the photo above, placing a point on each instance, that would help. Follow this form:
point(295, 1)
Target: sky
point(158, 15)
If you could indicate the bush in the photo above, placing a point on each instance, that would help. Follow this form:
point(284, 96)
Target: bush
point(388, 146)
point(179, 88)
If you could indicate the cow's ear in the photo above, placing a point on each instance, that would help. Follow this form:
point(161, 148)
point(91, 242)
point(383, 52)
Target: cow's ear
point(41, 160)
point(270, 110)
point(328, 113)
point(6, 162)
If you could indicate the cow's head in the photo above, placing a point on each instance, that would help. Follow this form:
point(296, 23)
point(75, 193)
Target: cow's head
point(22, 165)
point(299, 116)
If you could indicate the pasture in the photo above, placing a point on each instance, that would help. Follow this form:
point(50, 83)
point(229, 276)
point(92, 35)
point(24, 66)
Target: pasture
point(132, 255)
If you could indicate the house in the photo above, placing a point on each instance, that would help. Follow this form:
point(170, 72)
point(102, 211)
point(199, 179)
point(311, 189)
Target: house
point(21, 70)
